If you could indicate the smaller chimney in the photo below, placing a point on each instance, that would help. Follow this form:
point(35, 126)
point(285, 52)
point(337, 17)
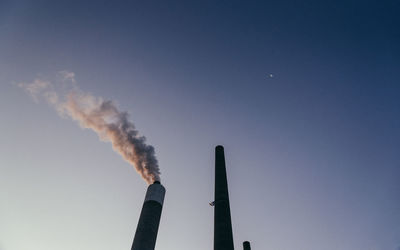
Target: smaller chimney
point(246, 245)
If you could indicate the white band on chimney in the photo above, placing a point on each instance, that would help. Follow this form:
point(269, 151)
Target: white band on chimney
point(155, 192)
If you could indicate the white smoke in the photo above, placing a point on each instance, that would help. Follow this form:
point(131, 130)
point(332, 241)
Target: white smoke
point(102, 116)
point(67, 76)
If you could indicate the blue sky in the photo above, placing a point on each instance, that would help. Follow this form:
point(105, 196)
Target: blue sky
point(312, 152)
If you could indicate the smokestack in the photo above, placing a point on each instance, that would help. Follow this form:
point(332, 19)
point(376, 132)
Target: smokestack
point(223, 238)
point(246, 245)
point(147, 228)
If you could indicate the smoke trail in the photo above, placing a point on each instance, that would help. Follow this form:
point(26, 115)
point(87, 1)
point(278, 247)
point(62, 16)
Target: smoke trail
point(102, 116)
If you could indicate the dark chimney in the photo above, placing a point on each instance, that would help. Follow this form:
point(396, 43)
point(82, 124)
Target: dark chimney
point(246, 245)
point(147, 228)
point(223, 238)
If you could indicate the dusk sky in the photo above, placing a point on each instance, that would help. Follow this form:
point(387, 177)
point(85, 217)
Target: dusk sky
point(304, 96)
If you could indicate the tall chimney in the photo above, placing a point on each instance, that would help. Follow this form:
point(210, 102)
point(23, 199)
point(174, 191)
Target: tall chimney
point(246, 245)
point(147, 228)
point(223, 238)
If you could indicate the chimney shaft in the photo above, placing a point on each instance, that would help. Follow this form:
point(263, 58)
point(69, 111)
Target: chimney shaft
point(246, 245)
point(223, 238)
point(147, 228)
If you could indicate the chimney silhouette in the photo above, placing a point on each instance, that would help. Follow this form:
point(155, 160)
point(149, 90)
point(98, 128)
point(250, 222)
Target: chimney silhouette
point(246, 245)
point(223, 238)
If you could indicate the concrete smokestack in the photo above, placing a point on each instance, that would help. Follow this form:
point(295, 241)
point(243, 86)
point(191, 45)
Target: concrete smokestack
point(246, 245)
point(223, 238)
point(147, 228)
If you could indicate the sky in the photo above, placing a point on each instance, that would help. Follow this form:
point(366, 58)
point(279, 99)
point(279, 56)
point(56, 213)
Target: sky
point(312, 151)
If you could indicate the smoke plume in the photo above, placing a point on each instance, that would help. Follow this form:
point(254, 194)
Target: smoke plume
point(102, 116)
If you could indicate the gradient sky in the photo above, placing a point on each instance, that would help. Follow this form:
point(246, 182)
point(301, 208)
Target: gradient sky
point(312, 153)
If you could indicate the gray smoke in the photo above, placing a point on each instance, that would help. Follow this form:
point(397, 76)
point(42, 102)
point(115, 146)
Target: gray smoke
point(102, 116)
